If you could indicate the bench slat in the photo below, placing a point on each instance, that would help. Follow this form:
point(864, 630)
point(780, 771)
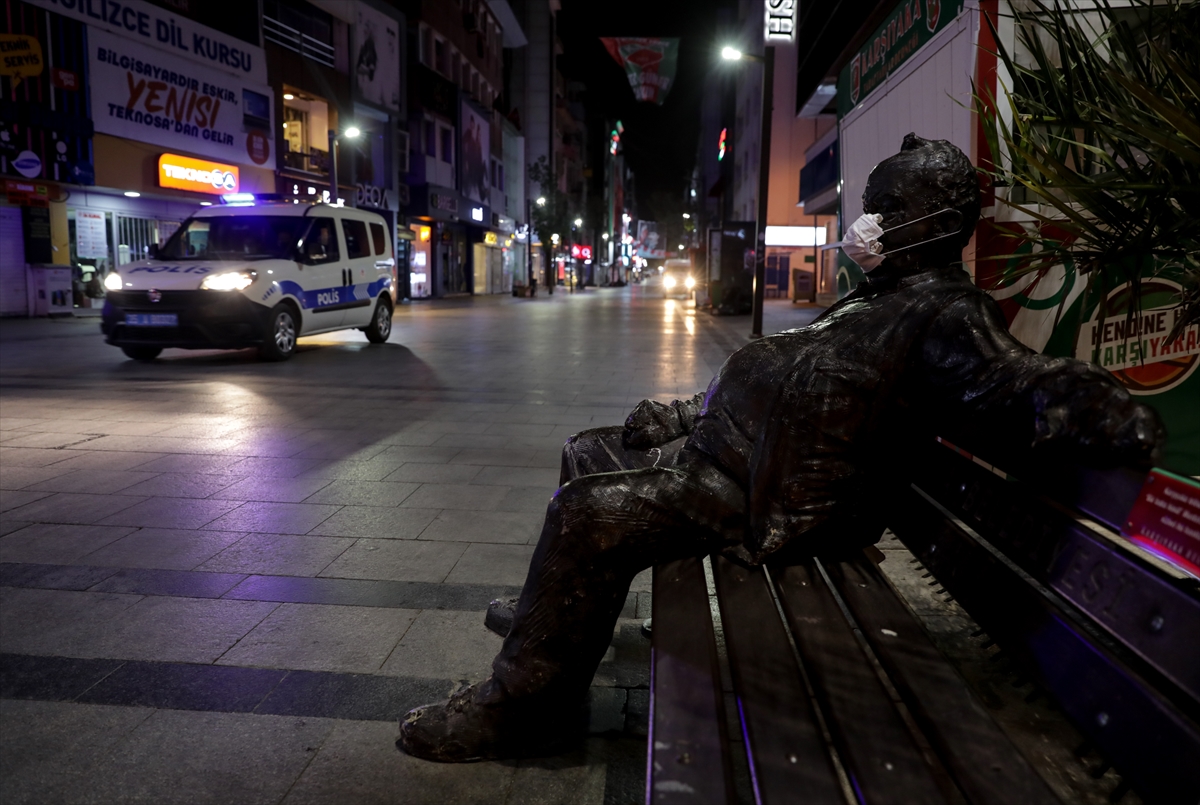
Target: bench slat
point(1155, 616)
point(1145, 737)
point(973, 748)
point(688, 758)
point(881, 758)
point(786, 749)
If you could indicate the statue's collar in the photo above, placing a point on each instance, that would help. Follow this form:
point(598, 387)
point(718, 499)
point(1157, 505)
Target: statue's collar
point(881, 280)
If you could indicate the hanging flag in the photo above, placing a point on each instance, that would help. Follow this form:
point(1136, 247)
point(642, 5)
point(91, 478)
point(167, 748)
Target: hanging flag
point(649, 63)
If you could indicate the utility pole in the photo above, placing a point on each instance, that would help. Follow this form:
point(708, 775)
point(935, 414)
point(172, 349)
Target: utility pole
point(764, 175)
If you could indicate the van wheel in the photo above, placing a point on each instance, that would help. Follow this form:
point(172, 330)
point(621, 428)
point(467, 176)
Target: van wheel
point(279, 341)
point(381, 324)
point(139, 353)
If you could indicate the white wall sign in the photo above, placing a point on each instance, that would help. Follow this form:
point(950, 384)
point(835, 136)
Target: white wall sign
point(150, 25)
point(91, 234)
point(780, 21)
point(153, 98)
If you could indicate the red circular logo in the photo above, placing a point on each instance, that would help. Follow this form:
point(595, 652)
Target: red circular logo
point(258, 146)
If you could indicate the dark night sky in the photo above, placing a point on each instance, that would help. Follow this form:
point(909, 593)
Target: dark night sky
point(659, 141)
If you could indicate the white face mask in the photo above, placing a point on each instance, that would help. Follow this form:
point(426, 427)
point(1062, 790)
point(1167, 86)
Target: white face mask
point(861, 242)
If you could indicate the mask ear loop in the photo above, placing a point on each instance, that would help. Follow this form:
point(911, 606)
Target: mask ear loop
point(928, 240)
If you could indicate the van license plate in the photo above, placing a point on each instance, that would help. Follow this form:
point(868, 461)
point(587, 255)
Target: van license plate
point(152, 319)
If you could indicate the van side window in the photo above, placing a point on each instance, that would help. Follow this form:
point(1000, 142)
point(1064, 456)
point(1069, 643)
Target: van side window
point(380, 238)
point(321, 245)
point(356, 239)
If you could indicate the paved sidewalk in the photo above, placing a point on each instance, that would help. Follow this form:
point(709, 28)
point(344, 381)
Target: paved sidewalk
point(223, 580)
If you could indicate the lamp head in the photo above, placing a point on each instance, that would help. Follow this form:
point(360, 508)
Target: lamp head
point(730, 53)
point(352, 132)
point(541, 202)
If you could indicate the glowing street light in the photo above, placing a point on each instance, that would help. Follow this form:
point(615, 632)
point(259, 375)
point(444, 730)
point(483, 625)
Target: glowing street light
point(686, 216)
point(578, 222)
point(730, 53)
point(541, 202)
point(352, 132)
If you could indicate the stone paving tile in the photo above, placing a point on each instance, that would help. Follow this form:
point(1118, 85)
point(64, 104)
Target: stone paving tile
point(182, 485)
point(162, 548)
point(396, 560)
point(16, 477)
point(526, 499)
point(53, 621)
point(16, 498)
point(277, 555)
point(93, 482)
point(541, 477)
point(379, 522)
point(65, 507)
point(48, 440)
point(57, 543)
point(273, 467)
point(374, 469)
point(318, 637)
point(435, 473)
point(185, 463)
point(492, 564)
point(273, 490)
point(60, 744)
point(518, 457)
point(513, 528)
point(445, 645)
point(274, 518)
point(421, 455)
point(455, 496)
point(8, 526)
point(360, 763)
point(171, 512)
point(363, 493)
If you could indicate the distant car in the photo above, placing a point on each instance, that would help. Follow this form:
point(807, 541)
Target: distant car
point(258, 275)
point(678, 278)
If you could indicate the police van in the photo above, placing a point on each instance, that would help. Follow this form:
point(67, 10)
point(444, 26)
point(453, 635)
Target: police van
point(256, 274)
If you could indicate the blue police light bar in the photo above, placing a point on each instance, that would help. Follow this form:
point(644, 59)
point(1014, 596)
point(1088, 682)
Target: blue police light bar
point(238, 199)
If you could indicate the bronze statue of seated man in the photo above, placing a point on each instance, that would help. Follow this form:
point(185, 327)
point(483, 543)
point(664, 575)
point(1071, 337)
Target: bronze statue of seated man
point(791, 451)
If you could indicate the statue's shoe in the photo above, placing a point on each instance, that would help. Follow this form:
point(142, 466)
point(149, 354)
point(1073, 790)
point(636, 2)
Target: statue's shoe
point(499, 617)
point(473, 725)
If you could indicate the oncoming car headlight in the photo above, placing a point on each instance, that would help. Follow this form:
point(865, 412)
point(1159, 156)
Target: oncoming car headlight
point(690, 282)
point(668, 282)
point(112, 282)
point(228, 281)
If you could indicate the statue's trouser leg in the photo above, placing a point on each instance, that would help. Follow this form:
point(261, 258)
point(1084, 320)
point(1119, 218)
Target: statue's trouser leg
point(600, 531)
point(603, 450)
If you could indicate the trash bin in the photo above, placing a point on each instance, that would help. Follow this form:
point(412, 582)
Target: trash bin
point(52, 293)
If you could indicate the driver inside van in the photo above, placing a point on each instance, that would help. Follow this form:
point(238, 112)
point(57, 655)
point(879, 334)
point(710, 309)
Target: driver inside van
point(321, 244)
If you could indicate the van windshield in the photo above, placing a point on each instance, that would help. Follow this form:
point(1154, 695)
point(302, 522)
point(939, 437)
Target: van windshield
point(241, 237)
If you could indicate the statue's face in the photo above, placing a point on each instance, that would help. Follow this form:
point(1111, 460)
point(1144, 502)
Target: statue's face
point(899, 189)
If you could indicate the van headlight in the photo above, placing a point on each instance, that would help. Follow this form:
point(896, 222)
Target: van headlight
point(228, 281)
point(112, 282)
point(690, 283)
point(668, 282)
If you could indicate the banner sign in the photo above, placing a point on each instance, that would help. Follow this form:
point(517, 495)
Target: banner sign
point(91, 234)
point(155, 99)
point(475, 153)
point(648, 244)
point(907, 28)
point(377, 58)
point(649, 64)
point(141, 23)
point(197, 175)
point(1166, 519)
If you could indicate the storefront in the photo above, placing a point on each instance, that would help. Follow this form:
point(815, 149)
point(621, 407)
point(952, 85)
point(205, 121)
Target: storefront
point(447, 269)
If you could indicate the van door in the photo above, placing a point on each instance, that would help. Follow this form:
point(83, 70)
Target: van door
point(360, 274)
point(322, 277)
point(387, 274)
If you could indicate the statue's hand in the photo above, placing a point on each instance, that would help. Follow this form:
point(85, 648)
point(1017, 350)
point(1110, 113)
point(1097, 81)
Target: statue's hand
point(651, 424)
point(1106, 429)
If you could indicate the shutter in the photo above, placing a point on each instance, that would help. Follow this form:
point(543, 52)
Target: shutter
point(14, 299)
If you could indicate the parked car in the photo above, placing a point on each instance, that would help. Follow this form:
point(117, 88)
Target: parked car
point(678, 278)
point(255, 274)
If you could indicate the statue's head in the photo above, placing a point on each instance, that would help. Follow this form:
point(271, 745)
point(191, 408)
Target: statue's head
point(926, 178)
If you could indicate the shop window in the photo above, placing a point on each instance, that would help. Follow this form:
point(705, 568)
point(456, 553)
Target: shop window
point(430, 139)
point(300, 28)
point(357, 244)
point(402, 148)
point(321, 245)
point(427, 46)
point(441, 63)
point(379, 239)
point(447, 144)
point(305, 122)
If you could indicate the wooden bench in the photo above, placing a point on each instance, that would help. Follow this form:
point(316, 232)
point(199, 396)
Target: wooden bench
point(841, 695)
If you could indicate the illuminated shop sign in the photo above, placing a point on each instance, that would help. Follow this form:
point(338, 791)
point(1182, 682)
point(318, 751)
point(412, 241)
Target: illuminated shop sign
point(580, 252)
point(477, 213)
point(721, 145)
point(197, 175)
point(780, 21)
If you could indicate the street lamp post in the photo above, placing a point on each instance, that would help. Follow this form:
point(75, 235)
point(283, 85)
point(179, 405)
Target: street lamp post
point(350, 133)
point(764, 175)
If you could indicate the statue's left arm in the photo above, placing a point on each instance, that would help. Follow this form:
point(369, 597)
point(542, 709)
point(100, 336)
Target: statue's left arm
point(652, 423)
point(992, 391)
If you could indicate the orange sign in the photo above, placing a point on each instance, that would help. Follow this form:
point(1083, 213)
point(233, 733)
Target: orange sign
point(197, 175)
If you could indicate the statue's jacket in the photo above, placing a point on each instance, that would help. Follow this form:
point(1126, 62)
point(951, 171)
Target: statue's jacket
point(819, 425)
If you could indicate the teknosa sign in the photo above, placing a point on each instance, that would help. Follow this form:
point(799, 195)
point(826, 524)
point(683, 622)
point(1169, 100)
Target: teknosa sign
point(197, 175)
